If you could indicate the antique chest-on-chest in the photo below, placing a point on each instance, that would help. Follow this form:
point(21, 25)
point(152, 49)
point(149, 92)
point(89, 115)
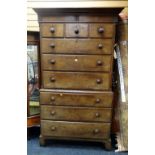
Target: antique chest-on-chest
point(76, 73)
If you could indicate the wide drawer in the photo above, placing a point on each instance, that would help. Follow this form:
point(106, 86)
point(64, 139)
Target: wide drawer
point(51, 30)
point(83, 46)
point(77, 62)
point(76, 30)
point(75, 129)
point(76, 80)
point(66, 113)
point(101, 30)
point(76, 98)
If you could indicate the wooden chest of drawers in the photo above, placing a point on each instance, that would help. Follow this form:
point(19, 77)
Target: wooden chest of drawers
point(76, 67)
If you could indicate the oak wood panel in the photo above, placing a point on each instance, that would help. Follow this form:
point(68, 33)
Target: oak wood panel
point(76, 80)
point(75, 129)
point(58, 18)
point(58, 30)
point(76, 30)
point(66, 113)
point(102, 30)
point(77, 46)
point(96, 18)
point(76, 98)
point(76, 62)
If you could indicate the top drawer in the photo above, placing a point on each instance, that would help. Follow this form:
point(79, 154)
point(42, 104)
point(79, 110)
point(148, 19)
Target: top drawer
point(100, 30)
point(92, 30)
point(52, 30)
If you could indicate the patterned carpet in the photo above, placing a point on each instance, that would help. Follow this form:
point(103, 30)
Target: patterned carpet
point(66, 147)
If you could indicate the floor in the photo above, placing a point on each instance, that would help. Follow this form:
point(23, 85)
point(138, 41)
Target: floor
point(65, 147)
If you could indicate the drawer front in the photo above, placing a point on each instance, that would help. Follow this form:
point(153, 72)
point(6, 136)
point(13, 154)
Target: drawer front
point(83, 46)
point(102, 30)
point(64, 113)
point(76, 98)
point(75, 129)
point(76, 80)
point(76, 30)
point(76, 62)
point(52, 30)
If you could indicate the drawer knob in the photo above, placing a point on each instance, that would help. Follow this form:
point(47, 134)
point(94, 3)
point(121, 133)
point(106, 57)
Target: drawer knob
point(96, 131)
point(98, 81)
point(53, 113)
point(52, 29)
point(76, 31)
point(53, 128)
point(101, 30)
point(52, 98)
point(97, 114)
point(52, 61)
point(98, 100)
point(100, 46)
point(52, 79)
point(52, 45)
point(99, 63)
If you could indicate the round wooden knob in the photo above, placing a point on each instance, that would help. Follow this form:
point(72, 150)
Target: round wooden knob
point(53, 128)
point(52, 98)
point(98, 81)
point(53, 113)
point(52, 61)
point(52, 79)
point(52, 45)
point(96, 131)
point(100, 46)
point(99, 63)
point(98, 100)
point(76, 31)
point(97, 114)
point(101, 30)
point(52, 29)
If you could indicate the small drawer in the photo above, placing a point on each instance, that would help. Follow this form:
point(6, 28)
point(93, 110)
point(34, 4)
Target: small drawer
point(52, 30)
point(101, 30)
point(76, 98)
point(76, 30)
point(76, 62)
point(77, 46)
point(76, 80)
point(75, 129)
point(66, 113)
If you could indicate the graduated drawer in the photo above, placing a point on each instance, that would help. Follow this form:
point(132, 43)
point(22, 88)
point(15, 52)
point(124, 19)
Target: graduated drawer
point(76, 62)
point(66, 113)
point(101, 30)
point(83, 46)
point(76, 98)
point(76, 80)
point(75, 129)
point(51, 30)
